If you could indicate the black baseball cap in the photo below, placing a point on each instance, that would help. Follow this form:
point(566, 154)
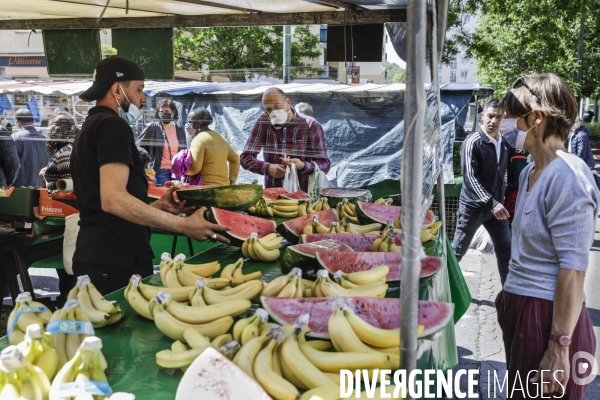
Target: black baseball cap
point(109, 71)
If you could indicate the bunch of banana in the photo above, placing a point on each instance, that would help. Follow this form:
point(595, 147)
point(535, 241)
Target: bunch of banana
point(261, 249)
point(274, 287)
point(26, 312)
point(94, 305)
point(138, 295)
point(166, 264)
point(360, 278)
point(347, 209)
point(38, 349)
point(83, 372)
point(305, 209)
point(63, 326)
point(321, 205)
point(248, 328)
point(285, 208)
point(428, 234)
point(180, 274)
point(173, 327)
point(315, 227)
point(388, 227)
point(294, 288)
point(262, 209)
point(351, 227)
point(204, 295)
point(387, 201)
point(346, 340)
point(386, 243)
point(325, 287)
point(234, 273)
point(180, 356)
point(20, 379)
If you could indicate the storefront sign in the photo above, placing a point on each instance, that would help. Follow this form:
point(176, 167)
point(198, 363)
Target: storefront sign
point(22, 61)
point(355, 74)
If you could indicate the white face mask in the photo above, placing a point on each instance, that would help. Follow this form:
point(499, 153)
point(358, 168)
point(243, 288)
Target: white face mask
point(132, 114)
point(513, 135)
point(278, 117)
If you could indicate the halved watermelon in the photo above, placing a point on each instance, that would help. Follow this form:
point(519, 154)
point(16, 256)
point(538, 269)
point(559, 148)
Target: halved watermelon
point(228, 197)
point(293, 228)
point(273, 193)
point(242, 225)
point(349, 262)
point(382, 313)
point(335, 195)
point(357, 241)
point(368, 213)
point(156, 192)
point(297, 195)
point(303, 255)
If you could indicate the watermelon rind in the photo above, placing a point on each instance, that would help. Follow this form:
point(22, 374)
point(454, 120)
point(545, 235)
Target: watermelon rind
point(336, 195)
point(297, 195)
point(303, 256)
point(384, 214)
point(242, 225)
point(292, 228)
point(358, 241)
point(229, 197)
point(356, 261)
point(382, 313)
point(271, 194)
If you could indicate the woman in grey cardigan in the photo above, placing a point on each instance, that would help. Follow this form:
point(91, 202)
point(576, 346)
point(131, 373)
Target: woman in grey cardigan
point(541, 310)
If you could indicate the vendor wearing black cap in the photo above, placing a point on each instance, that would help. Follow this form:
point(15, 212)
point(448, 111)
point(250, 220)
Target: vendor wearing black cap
point(111, 186)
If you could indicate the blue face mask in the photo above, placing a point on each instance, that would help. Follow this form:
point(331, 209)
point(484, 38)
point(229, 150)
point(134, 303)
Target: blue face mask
point(132, 114)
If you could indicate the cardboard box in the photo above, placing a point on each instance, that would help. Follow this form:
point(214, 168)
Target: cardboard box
point(50, 207)
point(19, 205)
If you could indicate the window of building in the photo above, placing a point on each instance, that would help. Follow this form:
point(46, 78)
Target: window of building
point(323, 35)
point(464, 74)
point(453, 64)
point(452, 76)
point(440, 65)
point(467, 18)
point(465, 60)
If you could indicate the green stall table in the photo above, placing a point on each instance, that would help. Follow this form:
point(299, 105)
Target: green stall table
point(131, 344)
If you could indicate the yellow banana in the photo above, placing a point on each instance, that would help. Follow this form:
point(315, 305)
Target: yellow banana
point(178, 294)
point(372, 335)
point(264, 254)
point(276, 285)
point(320, 228)
point(97, 317)
point(273, 383)
point(328, 361)
point(171, 279)
point(285, 208)
point(99, 302)
point(302, 210)
point(331, 392)
point(285, 202)
point(365, 228)
point(289, 290)
point(285, 214)
point(135, 298)
point(247, 354)
point(321, 345)
point(249, 292)
point(203, 315)
point(271, 243)
point(239, 275)
point(221, 340)
point(240, 325)
point(245, 247)
point(250, 331)
point(204, 270)
point(364, 277)
point(171, 359)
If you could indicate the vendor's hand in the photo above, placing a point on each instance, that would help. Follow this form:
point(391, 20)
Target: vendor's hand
point(556, 366)
point(196, 227)
point(276, 170)
point(167, 203)
point(500, 212)
point(43, 171)
point(297, 162)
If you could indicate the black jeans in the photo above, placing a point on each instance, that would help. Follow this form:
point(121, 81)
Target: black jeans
point(467, 223)
point(108, 278)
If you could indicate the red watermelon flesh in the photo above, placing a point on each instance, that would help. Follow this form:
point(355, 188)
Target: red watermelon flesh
point(242, 225)
point(156, 192)
point(273, 193)
point(381, 313)
point(368, 213)
point(349, 262)
point(303, 256)
point(293, 228)
point(297, 195)
point(358, 241)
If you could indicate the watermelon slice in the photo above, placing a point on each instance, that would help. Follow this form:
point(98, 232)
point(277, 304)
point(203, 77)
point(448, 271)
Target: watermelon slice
point(293, 228)
point(155, 192)
point(358, 241)
point(242, 225)
point(335, 195)
point(272, 194)
point(348, 262)
point(228, 197)
point(303, 256)
point(368, 213)
point(382, 313)
point(297, 195)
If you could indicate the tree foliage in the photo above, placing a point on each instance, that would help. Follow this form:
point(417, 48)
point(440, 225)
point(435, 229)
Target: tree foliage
point(394, 72)
point(519, 37)
point(236, 51)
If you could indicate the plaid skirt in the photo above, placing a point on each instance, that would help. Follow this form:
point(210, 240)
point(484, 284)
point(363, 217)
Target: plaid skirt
point(526, 323)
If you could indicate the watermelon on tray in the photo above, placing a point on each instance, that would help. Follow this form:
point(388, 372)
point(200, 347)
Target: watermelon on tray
point(272, 194)
point(368, 213)
point(382, 313)
point(303, 255)
point(348, 262)
point(358, 241)
point(292, 229)
point(297, 195)
point(335, 195)
point(242, 225)
point(227, 197)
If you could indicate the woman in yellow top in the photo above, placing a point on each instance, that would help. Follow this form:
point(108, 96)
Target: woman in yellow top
point(211, 152)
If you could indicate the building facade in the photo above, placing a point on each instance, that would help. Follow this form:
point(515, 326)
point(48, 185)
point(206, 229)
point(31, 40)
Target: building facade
point(462, 69)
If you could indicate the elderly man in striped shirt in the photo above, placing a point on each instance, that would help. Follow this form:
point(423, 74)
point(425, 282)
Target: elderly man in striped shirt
point(285, 138)
point(484, 157)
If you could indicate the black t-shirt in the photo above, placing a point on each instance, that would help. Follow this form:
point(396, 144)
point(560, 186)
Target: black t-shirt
point(105, 238)
point(587, 116)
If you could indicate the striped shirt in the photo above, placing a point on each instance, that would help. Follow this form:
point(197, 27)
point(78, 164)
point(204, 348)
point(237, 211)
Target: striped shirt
point(59, 167)
point(302, 138)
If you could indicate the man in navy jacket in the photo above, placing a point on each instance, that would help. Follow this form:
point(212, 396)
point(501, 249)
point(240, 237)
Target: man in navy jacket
point(9, 159)
point(484, 157)
point(31, 147)
point(579, 143)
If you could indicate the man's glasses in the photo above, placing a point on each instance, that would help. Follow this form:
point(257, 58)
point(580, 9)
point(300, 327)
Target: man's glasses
point(521, 82)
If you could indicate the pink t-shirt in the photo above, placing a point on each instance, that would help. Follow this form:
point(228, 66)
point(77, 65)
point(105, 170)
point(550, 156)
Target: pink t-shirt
point(171, 132)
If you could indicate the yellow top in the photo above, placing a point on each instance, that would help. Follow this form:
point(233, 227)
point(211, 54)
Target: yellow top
point(211, 152)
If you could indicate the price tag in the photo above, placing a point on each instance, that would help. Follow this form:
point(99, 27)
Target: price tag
point(70, 326)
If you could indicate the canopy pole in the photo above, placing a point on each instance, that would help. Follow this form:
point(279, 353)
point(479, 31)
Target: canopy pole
point(412, 179)
point(287, 53)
